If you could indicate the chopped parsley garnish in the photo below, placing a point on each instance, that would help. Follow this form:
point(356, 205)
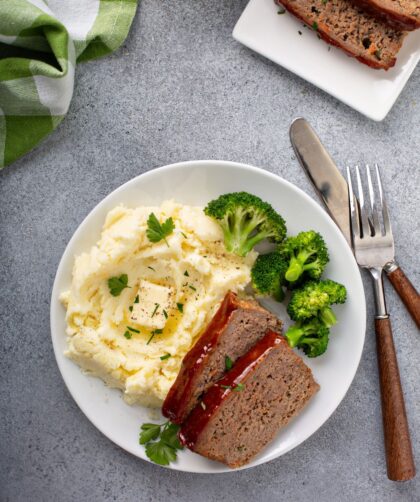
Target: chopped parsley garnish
point(136, 300)
point(161, 442)
point(186, 273)
point(117, 284)
point(153, 333)
point(130, 308)
point(236, 388)
point(151, 268)
point(157, 231)
point(228, 363)
point(192, 287)
point(165, 313)
point(315, 25)
point(183, 235)
point(128, 335)
point(180, 307)
point(281, 11)
point(166, 356)
point(134, 330)
point(156, 307)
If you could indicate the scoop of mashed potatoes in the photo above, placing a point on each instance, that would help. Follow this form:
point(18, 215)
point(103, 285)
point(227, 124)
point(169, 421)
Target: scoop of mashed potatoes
point(119, 338)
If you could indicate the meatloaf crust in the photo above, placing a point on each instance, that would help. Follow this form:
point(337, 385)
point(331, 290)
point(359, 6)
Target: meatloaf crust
point(241, 413)
point(234, 329)
point(400, 14)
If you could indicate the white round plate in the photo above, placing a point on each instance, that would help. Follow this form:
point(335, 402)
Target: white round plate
point(196, 183)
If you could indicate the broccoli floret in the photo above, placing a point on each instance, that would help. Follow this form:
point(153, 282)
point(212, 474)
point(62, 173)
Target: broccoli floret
point(307, 254)
point(314, 300)
point(267, 275)
point(311, 336)
point(246, 220)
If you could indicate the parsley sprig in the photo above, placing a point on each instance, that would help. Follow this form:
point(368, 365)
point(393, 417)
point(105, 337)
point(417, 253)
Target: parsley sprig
point(164, 450)
point(157, 231)
point(117, 284)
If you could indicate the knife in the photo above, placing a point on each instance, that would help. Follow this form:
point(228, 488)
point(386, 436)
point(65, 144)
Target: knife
point(332, 189)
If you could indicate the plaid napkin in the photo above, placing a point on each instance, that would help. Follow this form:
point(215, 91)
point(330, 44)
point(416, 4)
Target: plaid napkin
point(40, 43)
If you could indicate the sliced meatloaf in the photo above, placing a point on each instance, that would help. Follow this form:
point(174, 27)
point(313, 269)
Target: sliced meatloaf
point(401, 14)
point(234, 329)
point(241, 413)
point(345, 25)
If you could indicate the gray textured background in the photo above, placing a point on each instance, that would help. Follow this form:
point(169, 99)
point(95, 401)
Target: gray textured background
point(181, 88)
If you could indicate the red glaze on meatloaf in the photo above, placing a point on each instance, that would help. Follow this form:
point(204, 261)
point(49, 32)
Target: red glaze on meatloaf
point(235, 328)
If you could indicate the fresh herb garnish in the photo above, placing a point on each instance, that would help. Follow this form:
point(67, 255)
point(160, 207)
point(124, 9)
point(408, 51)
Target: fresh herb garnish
point(128, 335)
point(315, 25)
point(192, 287)
point(186, 273)
point(165, 313)
point(157, 231)
point(136, 300)
point(237, 388)
point(180, 307)
point(130, 308)
point(156, 307)
point(163, 451)
point(117, 284)
point(134, 330)
point(153, 333)
point(151, 268)
point(228, 363)
point(281, 11)
point(183, 235)
point(166, 356)
point(300, 33)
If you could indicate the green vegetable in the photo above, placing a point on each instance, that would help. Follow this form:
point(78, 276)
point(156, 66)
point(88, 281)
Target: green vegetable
point(314, 300)
point(245, 220)
point(228, 363)
point(311, 336)
point(163, 451)
point(157, 231)
point(267, 275)
point(306, 254)
point(117, 284)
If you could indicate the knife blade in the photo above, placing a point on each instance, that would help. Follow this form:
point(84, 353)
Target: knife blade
point(323, 173)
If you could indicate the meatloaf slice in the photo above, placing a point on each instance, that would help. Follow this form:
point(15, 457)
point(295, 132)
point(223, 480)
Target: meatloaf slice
point(347, 26)
point(401, 14)
point(234, 329)
point(242, 413)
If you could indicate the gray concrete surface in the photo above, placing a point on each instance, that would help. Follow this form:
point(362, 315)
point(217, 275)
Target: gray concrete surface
point(181, 88)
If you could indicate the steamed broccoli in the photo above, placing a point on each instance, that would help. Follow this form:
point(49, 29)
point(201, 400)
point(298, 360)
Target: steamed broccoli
point(314, 300)
point(311, 336)
point(246, 220)
point(307, 255)
point(267, 275)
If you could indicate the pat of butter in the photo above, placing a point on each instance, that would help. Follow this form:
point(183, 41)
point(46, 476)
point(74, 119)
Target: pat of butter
point(154, 302)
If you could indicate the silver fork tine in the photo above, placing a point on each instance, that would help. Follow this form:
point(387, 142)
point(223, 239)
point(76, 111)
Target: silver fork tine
point(385, 215)
point(353, 215)
point(363, 215)
point(373, 203)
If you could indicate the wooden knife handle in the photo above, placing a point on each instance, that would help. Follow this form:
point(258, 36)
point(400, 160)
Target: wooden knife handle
point(407, 292)
point(399, 455)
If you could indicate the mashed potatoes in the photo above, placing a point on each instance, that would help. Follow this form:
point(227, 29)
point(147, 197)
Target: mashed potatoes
point(185, 280)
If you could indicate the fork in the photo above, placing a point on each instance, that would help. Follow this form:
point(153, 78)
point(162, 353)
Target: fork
point(374, 248)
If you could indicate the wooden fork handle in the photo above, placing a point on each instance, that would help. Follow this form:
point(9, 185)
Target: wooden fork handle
point(399, 455)
point(406, 291)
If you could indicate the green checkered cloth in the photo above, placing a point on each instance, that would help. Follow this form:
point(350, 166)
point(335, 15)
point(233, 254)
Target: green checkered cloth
point(40, 43)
